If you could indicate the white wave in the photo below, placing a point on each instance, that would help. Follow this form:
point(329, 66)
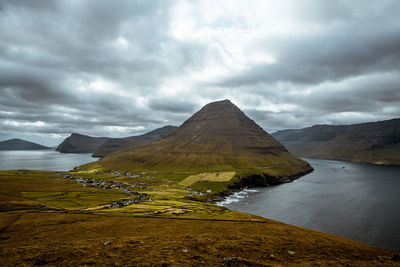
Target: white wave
point(236, 197)
point(250, 190)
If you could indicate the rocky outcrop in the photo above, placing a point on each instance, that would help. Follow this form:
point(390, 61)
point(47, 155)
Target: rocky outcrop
point(374, 142)
point(264, 180)
point(79, 143)
point(116, 144)
point(255, 180)
point(19, 144)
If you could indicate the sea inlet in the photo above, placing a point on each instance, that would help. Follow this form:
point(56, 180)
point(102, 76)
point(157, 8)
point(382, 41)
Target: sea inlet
point(359, 201)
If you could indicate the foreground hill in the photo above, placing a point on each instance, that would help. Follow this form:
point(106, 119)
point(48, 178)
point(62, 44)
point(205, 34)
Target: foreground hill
point(19, 144)
point(218, 138)
point(53, 219)
point(374, 142)
point(115, 144)
point(79, 143)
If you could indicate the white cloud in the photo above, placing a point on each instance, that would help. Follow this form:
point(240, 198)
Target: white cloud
point(122, 42)
point(19, 123)
point(122, 68)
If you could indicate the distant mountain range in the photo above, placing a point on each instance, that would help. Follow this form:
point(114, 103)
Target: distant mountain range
point(115, 144)
point(219, 137)
point(79, 143)
point(19, 144)
point(374, 142)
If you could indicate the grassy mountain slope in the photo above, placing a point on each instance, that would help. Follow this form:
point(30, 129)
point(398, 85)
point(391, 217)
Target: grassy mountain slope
point(115, 144)
point(374, 142)
point(219, 137)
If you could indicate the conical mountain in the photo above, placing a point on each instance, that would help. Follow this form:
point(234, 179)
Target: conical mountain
point(219, 137)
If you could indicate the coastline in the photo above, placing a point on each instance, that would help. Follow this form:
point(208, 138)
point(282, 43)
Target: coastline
point(255, 180)
point(379, 163)
point(334, 199)
point(154, 232)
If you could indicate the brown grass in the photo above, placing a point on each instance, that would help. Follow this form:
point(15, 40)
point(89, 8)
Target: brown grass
point(135, 236)
point(79, 239)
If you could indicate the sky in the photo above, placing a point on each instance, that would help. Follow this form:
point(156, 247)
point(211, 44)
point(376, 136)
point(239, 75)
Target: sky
point(123, 68)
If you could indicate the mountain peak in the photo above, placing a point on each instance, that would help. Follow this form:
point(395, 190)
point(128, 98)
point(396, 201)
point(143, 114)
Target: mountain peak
point(222, 104)
point(79, 143)
point(218, 137)
point(77, 134)
point(15, 139)
point(220, 118)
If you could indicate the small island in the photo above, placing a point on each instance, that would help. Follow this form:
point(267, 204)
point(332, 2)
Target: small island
point(19, 144)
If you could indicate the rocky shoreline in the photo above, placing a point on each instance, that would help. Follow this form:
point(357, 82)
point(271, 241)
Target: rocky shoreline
point(255, 180)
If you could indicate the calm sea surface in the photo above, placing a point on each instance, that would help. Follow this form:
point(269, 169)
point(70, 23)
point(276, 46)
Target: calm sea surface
point(47, 159)
point(355, 200)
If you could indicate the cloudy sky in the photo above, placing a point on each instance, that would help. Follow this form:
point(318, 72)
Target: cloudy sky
point(121, 68)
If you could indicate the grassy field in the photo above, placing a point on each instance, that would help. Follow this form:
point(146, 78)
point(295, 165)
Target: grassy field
point(46, 219)
point(33, 189)
point(208, 176)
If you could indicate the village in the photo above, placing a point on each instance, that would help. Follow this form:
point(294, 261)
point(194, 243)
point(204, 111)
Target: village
point(134, 197)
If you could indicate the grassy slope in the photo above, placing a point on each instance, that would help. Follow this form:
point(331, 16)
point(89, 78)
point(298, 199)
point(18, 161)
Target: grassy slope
point(165, 155)
point(282, 171)
point(389, 155)
point(219, 137)
point(374, 142)
point(115, 144)
point(171, 229)
point(79, 239)
point(31, 189)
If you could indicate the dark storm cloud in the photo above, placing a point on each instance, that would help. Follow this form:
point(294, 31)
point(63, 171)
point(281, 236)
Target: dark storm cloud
point(19, 83)
point(119, 68)
point(47, 46)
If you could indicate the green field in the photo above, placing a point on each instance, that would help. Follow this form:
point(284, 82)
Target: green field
point(46, 219)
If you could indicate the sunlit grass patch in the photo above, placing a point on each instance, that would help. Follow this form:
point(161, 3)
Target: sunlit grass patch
point(208, 176)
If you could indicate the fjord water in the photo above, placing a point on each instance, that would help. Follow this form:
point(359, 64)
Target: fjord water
point(355, 200)
point(46, 159)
